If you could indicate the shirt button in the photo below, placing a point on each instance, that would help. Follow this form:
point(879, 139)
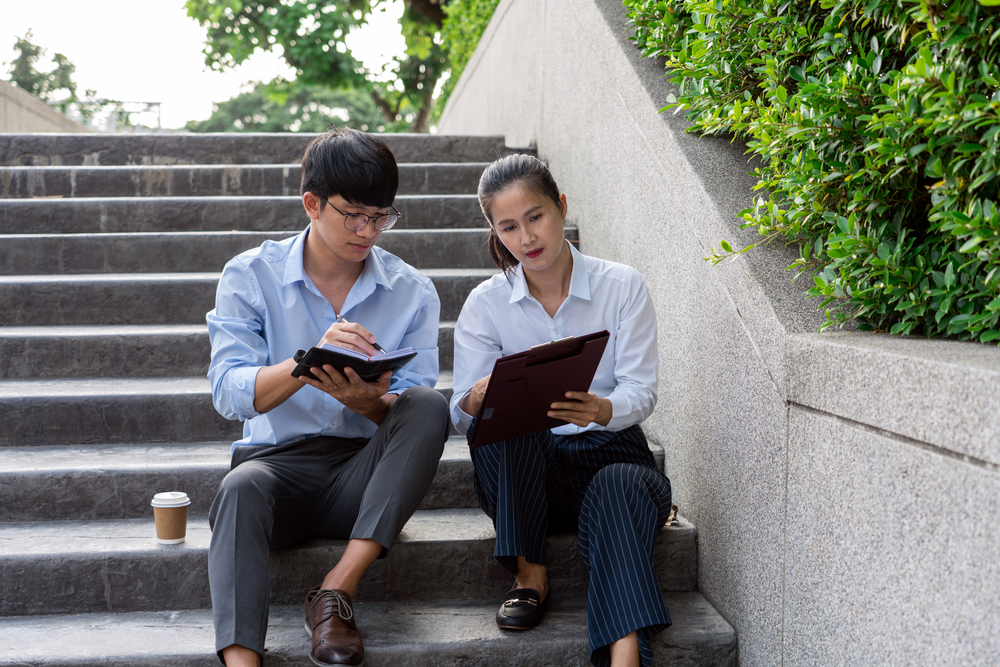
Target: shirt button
point(330, 425)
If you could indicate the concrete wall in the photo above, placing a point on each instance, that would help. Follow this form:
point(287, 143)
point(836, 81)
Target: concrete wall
point(23, 112)
point(845, 486)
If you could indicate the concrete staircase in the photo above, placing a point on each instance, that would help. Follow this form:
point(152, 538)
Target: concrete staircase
point(110, 248)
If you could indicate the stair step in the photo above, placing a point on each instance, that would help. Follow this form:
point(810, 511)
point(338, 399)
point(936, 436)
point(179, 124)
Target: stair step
point(225, 148)
point(33, 254)
point(98, 482)
point(162, 350)
point(158, 298)
point(190, 214)
point(425, 178)
point(65, 567)
point(411, 634)
point(118, 410)
point(107, 410)
point(91, 242)
point(165, 350)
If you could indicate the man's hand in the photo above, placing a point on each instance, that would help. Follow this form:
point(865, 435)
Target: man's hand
point(351, 336)
point(368, 399)
point(582, 409)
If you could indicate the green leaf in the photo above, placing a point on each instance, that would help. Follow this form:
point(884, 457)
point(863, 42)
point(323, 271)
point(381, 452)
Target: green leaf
point(983, 178)
point(970, 244)
point(725, 245)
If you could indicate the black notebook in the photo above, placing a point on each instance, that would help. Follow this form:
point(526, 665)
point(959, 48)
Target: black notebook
point(369, 368)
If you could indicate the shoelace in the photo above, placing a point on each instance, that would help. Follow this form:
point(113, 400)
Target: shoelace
point(333, 603)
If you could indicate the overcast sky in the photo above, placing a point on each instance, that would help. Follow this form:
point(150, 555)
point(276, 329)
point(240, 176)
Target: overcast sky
point(150, 51)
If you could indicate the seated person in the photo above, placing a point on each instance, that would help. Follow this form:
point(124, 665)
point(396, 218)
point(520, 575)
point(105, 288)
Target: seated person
point(596, 473)
point(342, 457)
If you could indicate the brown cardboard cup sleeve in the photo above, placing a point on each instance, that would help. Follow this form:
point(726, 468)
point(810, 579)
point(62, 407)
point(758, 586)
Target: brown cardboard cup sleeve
point(170, 511)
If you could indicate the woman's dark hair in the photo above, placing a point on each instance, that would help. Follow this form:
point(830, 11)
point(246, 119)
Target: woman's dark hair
point(499, 176)
point(355, 165)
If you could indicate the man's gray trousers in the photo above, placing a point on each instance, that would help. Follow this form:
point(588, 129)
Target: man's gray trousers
point(324, 486)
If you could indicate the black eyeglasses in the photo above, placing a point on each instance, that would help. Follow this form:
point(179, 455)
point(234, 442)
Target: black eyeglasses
point(356, 221)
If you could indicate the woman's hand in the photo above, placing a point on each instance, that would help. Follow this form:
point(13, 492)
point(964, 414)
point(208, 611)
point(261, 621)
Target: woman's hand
point(352, 336)
point(470, 404)
point(582, 409)
point(365, 398)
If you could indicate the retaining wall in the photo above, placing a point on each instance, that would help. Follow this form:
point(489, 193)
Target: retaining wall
point(845, 485)
point(23, 112)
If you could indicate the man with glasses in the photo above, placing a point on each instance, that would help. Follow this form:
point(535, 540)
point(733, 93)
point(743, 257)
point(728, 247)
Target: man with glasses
point(341, 457)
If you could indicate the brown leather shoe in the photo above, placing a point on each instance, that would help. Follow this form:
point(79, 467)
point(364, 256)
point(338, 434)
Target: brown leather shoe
point(330, 622)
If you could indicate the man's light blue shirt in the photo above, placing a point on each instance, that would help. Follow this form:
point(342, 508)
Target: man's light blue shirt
point(267, 308)
point(500, 318)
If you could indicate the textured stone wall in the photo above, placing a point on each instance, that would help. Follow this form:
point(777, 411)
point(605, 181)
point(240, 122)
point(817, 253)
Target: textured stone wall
point(23, 112)
point(845, 486)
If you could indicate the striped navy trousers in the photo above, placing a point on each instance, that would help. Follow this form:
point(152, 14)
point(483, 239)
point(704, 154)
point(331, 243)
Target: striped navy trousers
point(605, 484)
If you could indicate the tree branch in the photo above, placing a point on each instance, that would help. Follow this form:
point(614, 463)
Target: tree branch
point(421, 122)
point(384, 107)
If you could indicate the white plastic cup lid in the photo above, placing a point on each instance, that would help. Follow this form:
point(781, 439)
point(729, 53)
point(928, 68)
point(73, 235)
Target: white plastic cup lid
point(171, 499)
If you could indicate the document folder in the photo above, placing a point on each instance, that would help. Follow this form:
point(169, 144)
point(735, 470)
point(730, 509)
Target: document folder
point(524, 385)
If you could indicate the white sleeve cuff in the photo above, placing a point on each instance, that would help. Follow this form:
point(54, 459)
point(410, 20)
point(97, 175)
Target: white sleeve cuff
point(620, 414)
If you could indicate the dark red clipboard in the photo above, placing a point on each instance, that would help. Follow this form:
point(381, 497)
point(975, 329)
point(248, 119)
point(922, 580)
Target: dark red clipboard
point(524, 385)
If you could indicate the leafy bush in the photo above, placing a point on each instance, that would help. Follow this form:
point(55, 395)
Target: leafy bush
point(464, 23)
point(878, 124)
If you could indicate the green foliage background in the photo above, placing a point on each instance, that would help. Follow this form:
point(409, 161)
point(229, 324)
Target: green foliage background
point(311, 37)
point(24, 73)
point(878, 123)
point(463, 26)
point(291, 106)
point(56, 87)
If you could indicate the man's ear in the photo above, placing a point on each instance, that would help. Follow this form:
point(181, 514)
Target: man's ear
point(311, 203)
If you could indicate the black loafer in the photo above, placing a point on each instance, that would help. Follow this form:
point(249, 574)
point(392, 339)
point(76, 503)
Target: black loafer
point(522, 609)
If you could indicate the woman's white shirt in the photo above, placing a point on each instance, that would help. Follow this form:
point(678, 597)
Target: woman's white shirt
point(500, 318)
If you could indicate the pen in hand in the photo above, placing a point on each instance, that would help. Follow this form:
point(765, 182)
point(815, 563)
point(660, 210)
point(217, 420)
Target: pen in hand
point(378, 347)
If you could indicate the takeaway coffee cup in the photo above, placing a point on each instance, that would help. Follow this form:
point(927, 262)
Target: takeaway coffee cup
point(170, 510)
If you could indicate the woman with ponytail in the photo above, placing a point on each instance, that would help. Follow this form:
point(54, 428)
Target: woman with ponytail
point(595, 474)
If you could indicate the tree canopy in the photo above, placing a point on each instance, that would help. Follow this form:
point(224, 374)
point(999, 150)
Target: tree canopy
point(24, 73)
point(311, 37)
point(291, 106)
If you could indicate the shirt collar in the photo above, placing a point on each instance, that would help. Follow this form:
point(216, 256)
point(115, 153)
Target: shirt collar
point(373, 272)
point(579, 282)
point(295, 270)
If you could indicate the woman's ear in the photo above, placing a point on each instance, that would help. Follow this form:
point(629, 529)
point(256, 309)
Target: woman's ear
point(563, 207)
point(311, 203)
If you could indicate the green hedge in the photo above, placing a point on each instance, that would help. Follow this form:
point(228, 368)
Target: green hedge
point(465, 21)
point(878, 128)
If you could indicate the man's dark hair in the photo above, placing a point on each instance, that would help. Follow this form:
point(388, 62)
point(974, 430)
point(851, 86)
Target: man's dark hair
point(355, 165)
